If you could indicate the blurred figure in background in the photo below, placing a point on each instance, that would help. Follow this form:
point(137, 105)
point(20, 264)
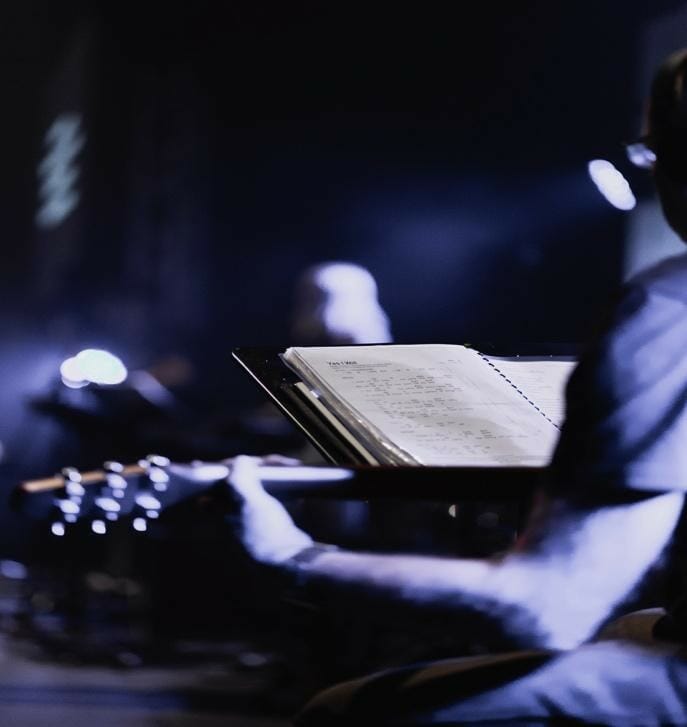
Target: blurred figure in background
point(336, 304)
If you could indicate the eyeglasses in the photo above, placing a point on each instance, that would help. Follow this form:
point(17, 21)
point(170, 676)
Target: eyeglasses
point(640, 153)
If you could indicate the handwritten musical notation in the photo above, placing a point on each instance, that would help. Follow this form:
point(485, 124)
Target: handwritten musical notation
point(435, 404)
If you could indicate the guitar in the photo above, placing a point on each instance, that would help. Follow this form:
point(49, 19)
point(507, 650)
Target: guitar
point(111, 550)
point(140, 492)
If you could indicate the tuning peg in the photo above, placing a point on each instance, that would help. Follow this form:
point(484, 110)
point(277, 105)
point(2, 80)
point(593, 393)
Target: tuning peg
point(158, 460)
point(140, 524)
point(72, 482)
point(154, 465)
point(109, 506)
point(114, 478)
point(68, 506)
point(117, 484)
point(149, 503)
point(114, 467)
point(159, 478)
point(66, 510)
point(154, 460)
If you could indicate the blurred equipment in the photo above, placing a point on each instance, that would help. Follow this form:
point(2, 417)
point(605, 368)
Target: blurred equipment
point(107, 411)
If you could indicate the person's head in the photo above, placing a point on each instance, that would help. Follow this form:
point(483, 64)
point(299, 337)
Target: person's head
point(667, 138)
point(337, 304)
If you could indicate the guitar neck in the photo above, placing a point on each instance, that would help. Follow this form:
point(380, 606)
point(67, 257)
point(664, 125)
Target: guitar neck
point(143, 491)
point(360, 482)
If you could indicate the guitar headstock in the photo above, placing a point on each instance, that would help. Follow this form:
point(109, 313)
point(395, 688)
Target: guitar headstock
point(134, 493)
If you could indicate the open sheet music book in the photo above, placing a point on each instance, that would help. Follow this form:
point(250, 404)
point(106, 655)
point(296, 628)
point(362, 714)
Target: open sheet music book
point(435, 404)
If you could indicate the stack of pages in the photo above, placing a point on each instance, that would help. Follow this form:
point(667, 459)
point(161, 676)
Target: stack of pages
point(435, 404)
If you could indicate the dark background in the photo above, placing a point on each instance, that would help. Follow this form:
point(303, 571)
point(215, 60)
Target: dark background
point(230, 145)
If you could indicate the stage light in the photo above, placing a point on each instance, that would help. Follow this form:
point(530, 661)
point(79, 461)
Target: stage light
point(101, 367)
point(71, 374)
point(92, 366)
point(612, 184)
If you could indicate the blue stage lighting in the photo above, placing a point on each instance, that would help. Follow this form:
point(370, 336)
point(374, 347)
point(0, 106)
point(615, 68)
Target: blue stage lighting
point(92, 366)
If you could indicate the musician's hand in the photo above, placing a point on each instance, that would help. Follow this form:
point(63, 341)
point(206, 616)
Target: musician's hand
point(264, 527)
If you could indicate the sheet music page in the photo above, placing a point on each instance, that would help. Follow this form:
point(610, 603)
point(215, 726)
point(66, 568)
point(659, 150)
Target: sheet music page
point(440, 404)
point(543, 381)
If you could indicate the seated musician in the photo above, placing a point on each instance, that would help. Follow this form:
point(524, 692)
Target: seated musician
point(613, 498)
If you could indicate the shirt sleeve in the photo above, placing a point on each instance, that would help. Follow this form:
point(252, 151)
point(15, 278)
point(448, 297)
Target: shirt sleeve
point(626, 402)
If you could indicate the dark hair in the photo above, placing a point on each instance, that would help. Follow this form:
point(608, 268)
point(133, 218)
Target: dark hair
point(667, 115)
